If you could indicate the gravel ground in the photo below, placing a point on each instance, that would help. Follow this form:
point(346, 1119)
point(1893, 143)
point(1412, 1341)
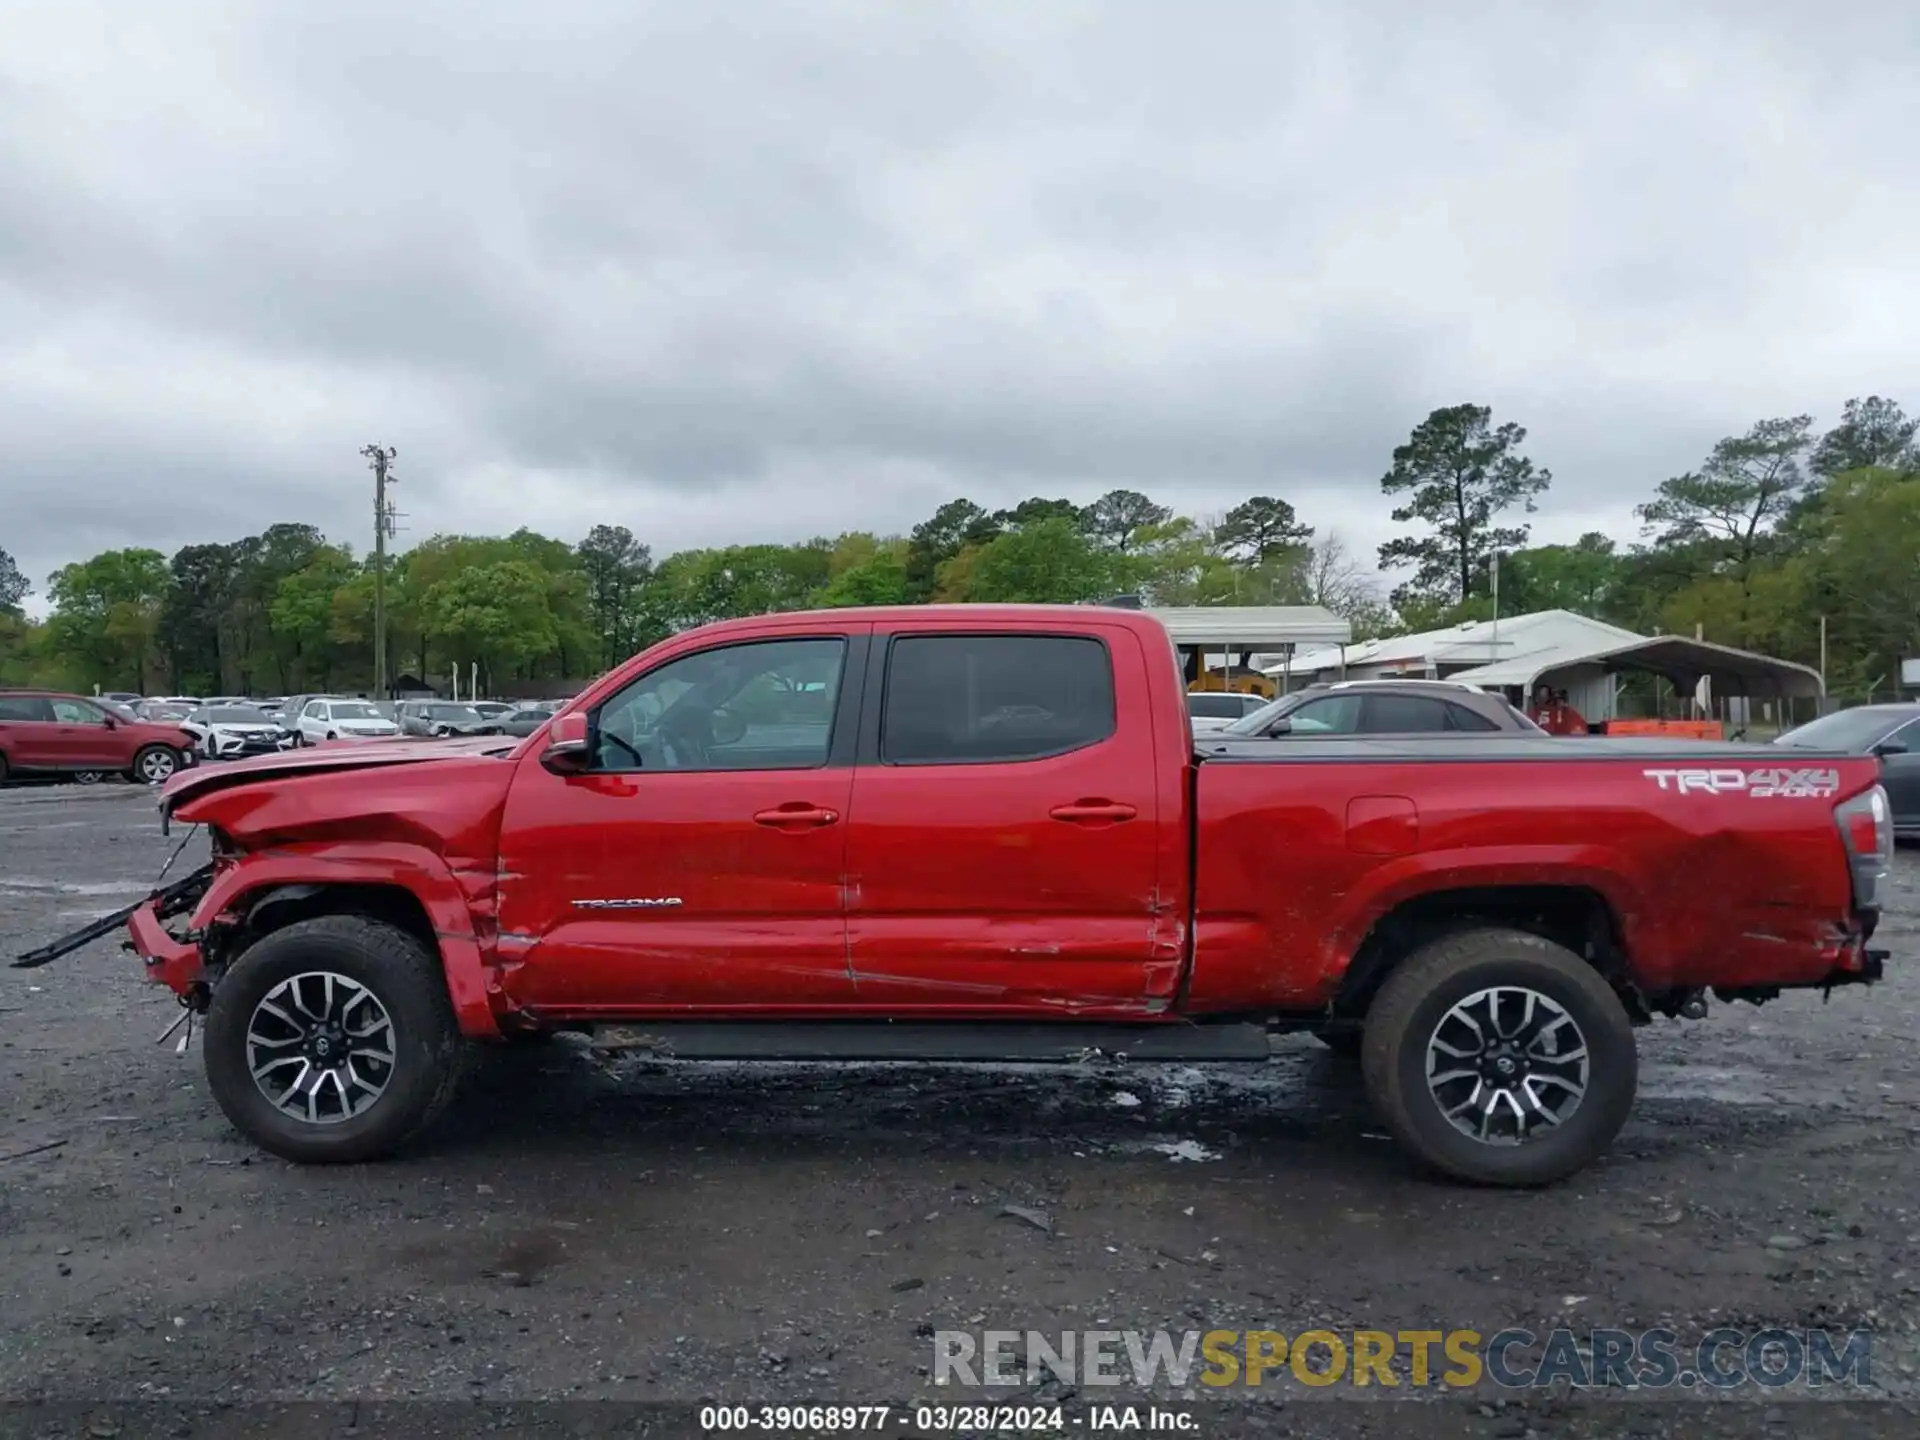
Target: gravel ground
point(591, 1228)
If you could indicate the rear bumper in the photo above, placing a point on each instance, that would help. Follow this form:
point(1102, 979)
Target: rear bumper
point(1849, 960)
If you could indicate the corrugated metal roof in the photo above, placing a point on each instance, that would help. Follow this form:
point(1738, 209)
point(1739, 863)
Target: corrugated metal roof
point(1256, 627)
point(1682, 660)
point(1478, 642)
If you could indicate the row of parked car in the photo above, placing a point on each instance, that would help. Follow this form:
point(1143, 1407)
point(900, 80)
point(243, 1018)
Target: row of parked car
point(148, 738)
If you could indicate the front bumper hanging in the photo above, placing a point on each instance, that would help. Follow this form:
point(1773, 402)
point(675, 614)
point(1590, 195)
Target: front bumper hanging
point(144, 917)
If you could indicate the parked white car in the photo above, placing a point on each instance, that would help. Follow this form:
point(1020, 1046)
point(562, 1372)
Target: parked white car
point(229, 732)
point(1213, 710)
point(341, 720)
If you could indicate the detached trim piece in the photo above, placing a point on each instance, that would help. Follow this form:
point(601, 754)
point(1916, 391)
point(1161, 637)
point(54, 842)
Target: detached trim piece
point(183, 889)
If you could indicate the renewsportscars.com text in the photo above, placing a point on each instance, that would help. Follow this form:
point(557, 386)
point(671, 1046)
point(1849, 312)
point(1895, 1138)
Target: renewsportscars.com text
point(1598, 1358)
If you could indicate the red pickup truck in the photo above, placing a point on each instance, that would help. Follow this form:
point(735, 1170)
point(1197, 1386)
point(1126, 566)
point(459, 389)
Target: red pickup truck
point(983, 832)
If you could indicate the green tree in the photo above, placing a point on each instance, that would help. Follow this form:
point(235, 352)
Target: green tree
point(1051, 561)
point(1864, 576)
point(1728, 508)
point(195, 618)
point(616, 567)
point(880, 581)
point(1118, 516)
point(1460, 476)
point(1873, 433)
point(1583, 577)
point(302, 616)
point(13, 585)
point(1261, 529)
point(939, 539)
point(1027, 512)
point(496, 615)
point(106, 618)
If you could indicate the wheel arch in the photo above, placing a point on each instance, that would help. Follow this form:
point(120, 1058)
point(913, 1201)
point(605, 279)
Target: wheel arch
point(274, 907)
point(265, 893)
point(1576, 917)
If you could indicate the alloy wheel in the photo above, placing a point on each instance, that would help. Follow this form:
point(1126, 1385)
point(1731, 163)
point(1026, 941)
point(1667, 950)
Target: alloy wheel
point(321, 1047)
point(157, 765)
point(1506, 1064)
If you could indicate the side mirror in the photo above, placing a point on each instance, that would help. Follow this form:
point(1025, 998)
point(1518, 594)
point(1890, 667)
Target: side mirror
point(1890, 747)
point(1281, 726)
point(112, 724)
point(566, 752)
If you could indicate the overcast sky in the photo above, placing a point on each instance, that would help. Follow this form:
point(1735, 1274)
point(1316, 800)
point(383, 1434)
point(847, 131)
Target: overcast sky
point(734, 272)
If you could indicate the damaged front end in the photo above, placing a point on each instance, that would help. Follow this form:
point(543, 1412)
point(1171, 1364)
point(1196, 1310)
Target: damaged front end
point(172, 961)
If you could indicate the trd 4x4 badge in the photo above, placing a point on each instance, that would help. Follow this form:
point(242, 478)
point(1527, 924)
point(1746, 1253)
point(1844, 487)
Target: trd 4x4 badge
point(1813, 784)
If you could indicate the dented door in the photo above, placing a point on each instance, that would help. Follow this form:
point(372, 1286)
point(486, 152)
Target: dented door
point(1005, 853)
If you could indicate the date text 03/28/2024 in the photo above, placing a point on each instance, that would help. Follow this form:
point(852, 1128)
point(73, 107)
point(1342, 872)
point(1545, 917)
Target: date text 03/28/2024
point(941, 1419)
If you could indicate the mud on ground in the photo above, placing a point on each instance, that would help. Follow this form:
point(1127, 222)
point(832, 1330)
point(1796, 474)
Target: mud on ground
point(590, 1228)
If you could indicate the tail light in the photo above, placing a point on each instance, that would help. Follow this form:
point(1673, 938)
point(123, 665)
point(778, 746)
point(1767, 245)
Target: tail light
point(1866, 828)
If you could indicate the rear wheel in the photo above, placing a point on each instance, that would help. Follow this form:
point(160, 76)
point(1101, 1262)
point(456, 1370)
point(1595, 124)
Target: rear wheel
point(155, 765)
point(5, 770)
point(1499, 1057)
point(88, 777)
point(333, 1040)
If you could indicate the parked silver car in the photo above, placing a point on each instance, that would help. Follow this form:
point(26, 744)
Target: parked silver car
point(443, 717)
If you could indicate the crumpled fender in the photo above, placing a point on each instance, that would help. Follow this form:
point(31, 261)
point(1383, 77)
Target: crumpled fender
point(453, 911)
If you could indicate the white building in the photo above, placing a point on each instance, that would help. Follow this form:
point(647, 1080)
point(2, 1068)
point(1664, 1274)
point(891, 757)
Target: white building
point(1570, 652)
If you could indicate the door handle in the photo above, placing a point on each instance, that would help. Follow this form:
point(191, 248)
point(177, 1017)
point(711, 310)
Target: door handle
point(1093, 812)
point(796, 815)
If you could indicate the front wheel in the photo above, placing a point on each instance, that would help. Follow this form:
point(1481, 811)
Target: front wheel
point(155, 765)
point(1499, 1057)
point(333, 1040)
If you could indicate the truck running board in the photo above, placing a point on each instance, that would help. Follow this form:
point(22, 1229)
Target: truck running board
point(934, 1040)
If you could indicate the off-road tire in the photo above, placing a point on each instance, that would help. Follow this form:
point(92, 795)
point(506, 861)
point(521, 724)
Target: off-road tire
point(1424, 987)
point(430, 1055)
point(137, 772)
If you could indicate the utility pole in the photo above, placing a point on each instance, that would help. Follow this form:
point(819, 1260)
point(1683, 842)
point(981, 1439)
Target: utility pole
point(380, 458)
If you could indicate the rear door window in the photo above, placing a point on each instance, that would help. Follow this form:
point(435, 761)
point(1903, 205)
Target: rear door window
point(978, 699)
point(1403, 715)
point(1459, 717)
point(25, 707)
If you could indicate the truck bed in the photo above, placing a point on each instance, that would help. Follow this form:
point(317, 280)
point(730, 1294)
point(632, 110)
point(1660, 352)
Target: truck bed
point(1703, 865)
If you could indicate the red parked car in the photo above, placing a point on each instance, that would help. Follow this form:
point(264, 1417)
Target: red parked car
point(984, 833)
point(46, 732)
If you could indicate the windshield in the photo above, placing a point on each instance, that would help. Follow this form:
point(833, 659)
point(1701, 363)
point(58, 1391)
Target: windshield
point(1846, 729)
point(1259, 720)
point(165, 712)
point(230, 715)
point(456, 713)
point(355, 711)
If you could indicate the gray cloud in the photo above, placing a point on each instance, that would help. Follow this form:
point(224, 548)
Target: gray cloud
point(743, 271)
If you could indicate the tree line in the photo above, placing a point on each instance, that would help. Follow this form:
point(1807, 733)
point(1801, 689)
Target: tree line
point(1775, 528)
